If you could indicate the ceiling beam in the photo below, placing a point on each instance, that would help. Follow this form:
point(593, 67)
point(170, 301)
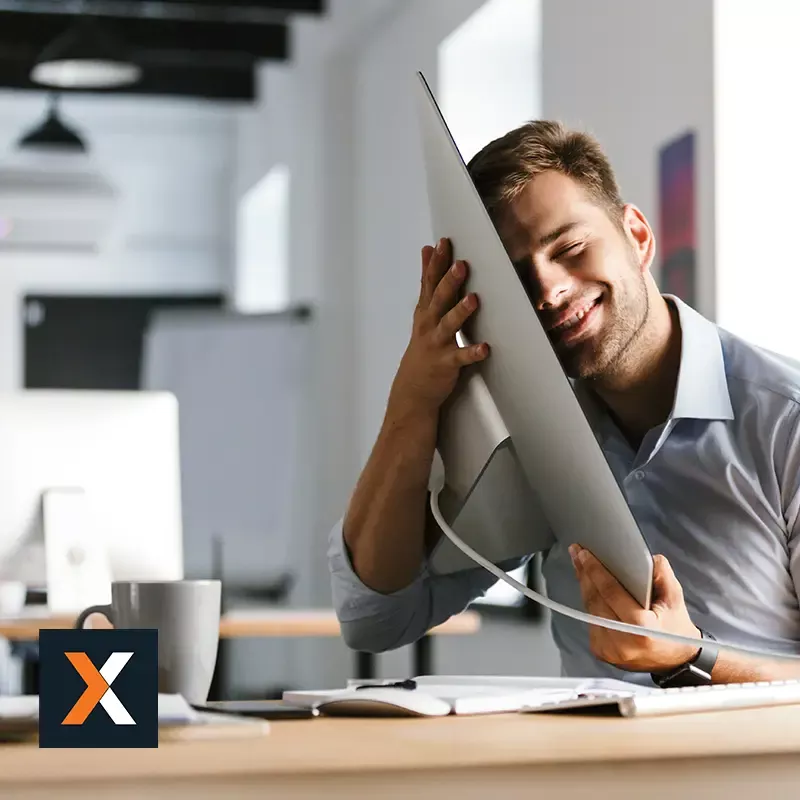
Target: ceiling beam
point(197, 81)
point(286, 7)
point(258, 12)
point(24, 34)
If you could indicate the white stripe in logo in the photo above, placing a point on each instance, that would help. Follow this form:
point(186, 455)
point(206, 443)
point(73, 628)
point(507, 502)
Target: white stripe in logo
point(110, 702)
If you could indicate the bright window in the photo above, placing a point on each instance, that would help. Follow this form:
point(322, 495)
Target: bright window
point(489, 72)
point(262, 245)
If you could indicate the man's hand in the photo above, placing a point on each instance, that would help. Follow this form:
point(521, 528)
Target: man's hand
point(604, 596)
point(432, 362)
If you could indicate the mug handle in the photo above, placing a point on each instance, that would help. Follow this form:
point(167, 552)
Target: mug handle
point(106, 611)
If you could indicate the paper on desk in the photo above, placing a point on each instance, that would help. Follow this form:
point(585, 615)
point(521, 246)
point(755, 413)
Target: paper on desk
point(462, 694)
point(173, 709)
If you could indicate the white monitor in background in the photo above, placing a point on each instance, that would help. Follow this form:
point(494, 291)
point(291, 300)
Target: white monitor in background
point(90, 491)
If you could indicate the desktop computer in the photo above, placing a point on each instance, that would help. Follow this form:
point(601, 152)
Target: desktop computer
point(90, 492)
point(515, 440)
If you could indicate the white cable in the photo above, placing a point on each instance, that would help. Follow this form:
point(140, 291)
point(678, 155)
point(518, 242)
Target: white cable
point(581, 616)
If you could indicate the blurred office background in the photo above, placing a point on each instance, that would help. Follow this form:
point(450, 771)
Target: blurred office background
point(244, 226)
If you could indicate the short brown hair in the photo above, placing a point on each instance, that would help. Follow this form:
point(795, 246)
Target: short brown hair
point(503, 168)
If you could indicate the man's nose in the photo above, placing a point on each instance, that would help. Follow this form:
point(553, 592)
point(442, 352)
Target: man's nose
point(551, 286)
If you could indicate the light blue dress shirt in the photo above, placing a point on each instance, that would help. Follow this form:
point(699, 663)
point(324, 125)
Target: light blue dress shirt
point(715, 489)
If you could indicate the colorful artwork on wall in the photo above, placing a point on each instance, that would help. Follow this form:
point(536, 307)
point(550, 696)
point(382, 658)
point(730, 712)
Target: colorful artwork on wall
point(677, 235)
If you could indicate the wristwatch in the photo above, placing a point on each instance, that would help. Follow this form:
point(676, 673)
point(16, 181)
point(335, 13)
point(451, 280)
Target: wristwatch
point(695, 672)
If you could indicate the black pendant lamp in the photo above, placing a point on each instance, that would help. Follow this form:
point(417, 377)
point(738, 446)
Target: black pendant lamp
point(52, 134)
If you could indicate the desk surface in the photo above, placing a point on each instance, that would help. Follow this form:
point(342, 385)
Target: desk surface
point(477, 755)
point(250, 622)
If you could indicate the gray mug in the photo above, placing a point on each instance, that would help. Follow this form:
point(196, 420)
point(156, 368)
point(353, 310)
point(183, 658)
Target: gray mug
point(186, 615)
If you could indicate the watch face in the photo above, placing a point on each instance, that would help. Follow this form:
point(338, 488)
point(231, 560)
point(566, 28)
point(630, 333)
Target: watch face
point(699, 676)
point(686, 675)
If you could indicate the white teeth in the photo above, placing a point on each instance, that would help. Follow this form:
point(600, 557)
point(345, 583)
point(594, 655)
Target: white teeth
point(574, 320)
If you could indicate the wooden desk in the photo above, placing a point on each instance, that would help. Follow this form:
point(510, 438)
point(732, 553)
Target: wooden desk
point(722, 754)
point(253, 623)
point(239, 624)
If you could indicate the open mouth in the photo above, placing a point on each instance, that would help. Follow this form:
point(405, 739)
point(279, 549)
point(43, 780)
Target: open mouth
point(578, 324)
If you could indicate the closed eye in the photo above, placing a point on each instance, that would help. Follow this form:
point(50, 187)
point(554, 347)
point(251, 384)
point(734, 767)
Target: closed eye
point(569, 249)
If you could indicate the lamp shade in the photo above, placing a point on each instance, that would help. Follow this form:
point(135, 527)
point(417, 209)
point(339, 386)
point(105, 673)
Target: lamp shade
point(52, 134)
point(85, 56)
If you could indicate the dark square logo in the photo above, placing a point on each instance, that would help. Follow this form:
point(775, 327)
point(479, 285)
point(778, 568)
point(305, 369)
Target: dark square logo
point(98, 688)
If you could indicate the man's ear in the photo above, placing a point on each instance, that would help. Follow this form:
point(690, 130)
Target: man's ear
point(640, 235)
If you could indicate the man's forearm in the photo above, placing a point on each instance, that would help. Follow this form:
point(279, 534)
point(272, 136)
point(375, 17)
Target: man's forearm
point(384, 528)
point(741, 668)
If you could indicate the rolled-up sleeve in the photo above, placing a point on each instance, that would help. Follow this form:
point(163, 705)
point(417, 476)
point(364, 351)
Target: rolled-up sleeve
point(375, 622)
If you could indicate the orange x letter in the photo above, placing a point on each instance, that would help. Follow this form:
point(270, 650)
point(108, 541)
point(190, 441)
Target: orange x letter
point(96, 687)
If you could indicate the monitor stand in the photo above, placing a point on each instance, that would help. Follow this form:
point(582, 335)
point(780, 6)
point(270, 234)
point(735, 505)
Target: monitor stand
point(486, 498)
point(77, 570)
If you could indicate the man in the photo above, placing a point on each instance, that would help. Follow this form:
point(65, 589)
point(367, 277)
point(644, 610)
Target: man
point(699, 427)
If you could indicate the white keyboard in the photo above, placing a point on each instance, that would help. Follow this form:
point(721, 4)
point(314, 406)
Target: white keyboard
point(688, 699)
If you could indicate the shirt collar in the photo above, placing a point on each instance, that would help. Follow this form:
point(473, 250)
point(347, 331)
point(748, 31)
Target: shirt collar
point(702, 388)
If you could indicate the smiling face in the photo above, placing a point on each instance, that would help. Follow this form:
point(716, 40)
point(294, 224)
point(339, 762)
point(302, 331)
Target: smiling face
point(584, 272)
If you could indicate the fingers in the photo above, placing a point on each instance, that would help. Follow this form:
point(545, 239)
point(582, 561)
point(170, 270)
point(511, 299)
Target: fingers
point(434, 264)
point(667, 591)
point(464, 356)
point(612, 647)
point(454, 320)
point(442, 314)
point(607, 586)
point(445, 295)
point(593, 601)
point(424, 293)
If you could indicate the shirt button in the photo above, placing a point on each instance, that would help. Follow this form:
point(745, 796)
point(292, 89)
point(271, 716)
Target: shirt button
point(639, 475)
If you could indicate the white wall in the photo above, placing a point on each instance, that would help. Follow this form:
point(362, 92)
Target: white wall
point(637, 74)
point(756, 65)
point(172, 162)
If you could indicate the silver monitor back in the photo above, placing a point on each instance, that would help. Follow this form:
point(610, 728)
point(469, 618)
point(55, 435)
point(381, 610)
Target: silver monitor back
point(552, 439)
point(486, 498)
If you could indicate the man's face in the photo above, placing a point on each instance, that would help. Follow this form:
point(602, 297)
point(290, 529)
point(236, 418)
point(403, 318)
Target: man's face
point(584, 275)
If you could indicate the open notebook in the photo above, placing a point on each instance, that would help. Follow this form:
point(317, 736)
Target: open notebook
point(440, 695)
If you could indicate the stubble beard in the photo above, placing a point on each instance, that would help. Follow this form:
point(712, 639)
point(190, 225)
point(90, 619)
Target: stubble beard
point(626, 321)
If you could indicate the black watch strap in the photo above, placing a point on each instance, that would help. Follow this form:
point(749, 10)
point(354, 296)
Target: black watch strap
point(695, 672)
